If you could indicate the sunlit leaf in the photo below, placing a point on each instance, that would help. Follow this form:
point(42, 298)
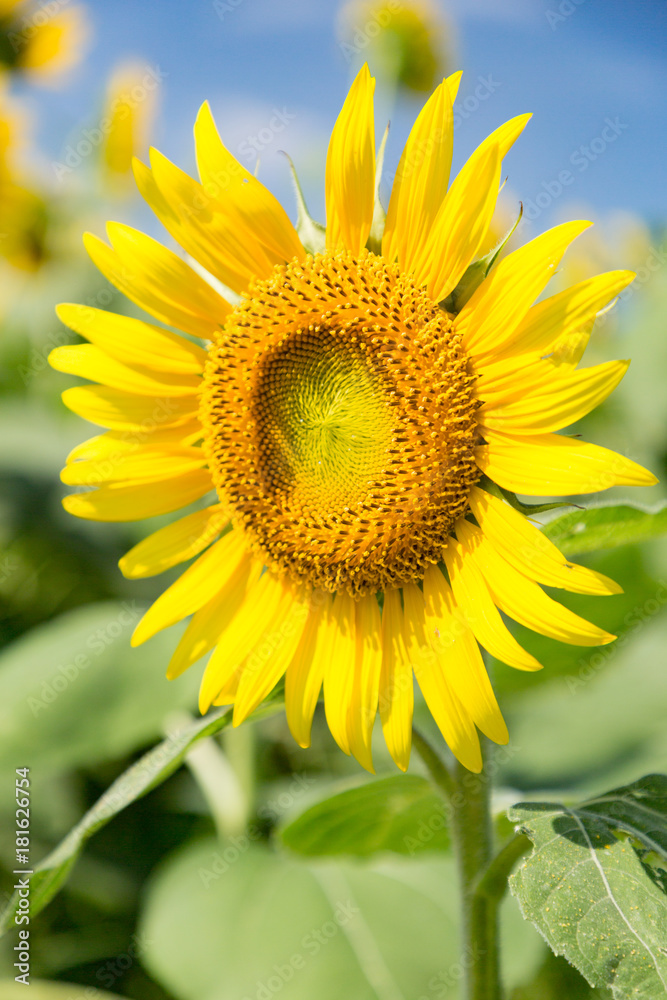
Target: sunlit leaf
point(595, 885)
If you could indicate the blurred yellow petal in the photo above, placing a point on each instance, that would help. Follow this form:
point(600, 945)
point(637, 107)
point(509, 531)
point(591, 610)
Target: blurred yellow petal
point(366, 680)
point(253, 625)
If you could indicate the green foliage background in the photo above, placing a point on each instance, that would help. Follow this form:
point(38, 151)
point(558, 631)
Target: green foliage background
point(175, 901)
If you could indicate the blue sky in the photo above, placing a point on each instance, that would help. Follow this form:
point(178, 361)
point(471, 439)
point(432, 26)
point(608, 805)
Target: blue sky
point(579, 65)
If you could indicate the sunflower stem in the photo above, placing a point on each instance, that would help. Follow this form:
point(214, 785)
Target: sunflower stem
point(437, 769)
point(482, 878)
point(473, 844)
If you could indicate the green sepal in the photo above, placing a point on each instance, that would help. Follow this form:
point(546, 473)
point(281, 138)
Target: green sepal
point(374, 242)
point(311, 233)
point(476, 272)
point(525, 508)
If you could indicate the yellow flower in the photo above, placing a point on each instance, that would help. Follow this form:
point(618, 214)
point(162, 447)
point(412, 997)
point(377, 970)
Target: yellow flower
point(128, 116)
point(352, 427)
point(42, 41)
point(406, 39)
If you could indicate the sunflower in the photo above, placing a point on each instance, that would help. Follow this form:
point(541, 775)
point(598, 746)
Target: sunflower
point(361, 400)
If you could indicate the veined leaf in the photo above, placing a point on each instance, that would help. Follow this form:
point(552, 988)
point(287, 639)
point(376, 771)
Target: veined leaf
point(596, 885)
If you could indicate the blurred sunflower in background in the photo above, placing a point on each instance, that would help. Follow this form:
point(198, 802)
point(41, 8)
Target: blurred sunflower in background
point(42, 41)
point(364, 406)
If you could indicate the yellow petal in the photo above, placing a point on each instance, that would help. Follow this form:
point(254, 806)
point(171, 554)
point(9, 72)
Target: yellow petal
point(350, 169)
point(241, 194)
point(453, 82)
point(207, 625)
point(368, 664)
point(161, 283)
point(339, 669)
point(560, 315)
point(451, 717)
point(524, 600)
point(305, 673)
point(396, 696)
point(173, 544)
point(114, 444)
point(140, 466)
point(474, 600)
point(421, 180)
point(465, 214)
point(126, 412)
point(491, 315)
point(214, 238)
point(88, 361)
point(530, 551)
point(135, 501)
point(132, 341)
point(562, 401)
point(551, 465)
point(454, 651)
point(256, 620)
point(194, 588)
point(461, 224)
point(269, 660)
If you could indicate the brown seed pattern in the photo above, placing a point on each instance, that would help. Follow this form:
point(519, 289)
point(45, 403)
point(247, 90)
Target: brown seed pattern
point(339, 420)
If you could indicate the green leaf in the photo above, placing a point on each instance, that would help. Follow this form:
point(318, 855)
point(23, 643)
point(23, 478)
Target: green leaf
point(400, 814)
point(148, 772)
point(606, 527)
point(556, 979)
point(595, 885)
point(273, 925)
point(270, 924)
point(73, 692)
point(311, 233)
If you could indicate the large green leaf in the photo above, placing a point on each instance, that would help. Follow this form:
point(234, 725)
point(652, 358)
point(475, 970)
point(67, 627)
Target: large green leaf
point(400, 814)
point(270, 925)
point(148, 772)
point(74, 692)
point(604, 721)
point(605, 527)
point(595, 885)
